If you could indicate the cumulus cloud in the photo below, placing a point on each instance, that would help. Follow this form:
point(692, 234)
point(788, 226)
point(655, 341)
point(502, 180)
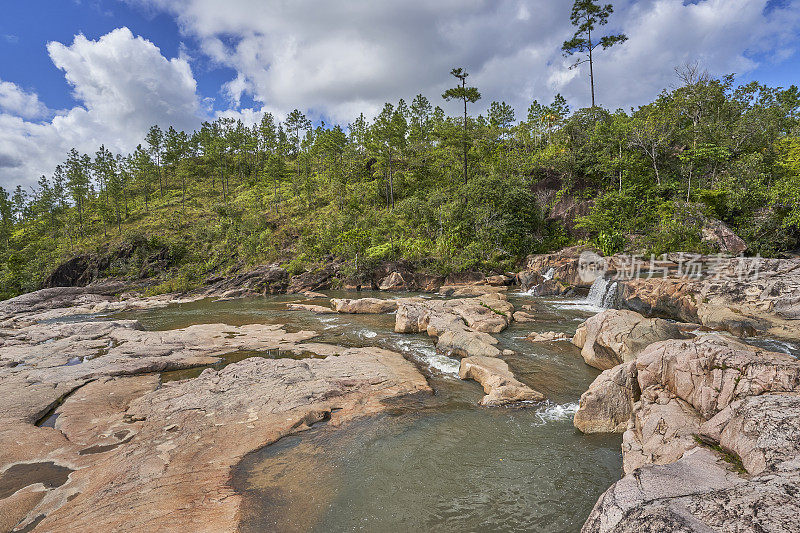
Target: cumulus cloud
point(124, 84)
point(335, 59)
point(15, 101)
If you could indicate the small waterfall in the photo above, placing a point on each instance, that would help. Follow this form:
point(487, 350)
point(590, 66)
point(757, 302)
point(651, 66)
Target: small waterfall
point(611, 296)
point(602, 294)
point(549, 274)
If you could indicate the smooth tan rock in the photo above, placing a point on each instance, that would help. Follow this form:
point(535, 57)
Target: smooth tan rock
point(363, 305)
point(498, 382)
point(547, 336)
point(461, 326)
point(764, 430)
point(661, 429)
point(616, 336)
point(607, 406)
point(468, 344)
point(524, 316)
point(313, 295)
point(318, 309)
point(172, 473)
point(392, 282)
point(711, 371)
point(462, 291)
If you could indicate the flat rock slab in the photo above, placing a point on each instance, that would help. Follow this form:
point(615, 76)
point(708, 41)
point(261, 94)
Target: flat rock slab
point(160, 458)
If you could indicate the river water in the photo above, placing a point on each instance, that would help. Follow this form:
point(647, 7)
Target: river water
point(433, 464)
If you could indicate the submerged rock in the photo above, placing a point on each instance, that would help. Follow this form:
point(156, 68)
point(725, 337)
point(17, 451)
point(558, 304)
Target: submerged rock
point(498, 382)
point(318, 309)
point(547, 336)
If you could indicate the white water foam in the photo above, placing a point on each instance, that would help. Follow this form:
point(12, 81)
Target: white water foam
point(550, 412)
point(549, 274)
point(429, 356)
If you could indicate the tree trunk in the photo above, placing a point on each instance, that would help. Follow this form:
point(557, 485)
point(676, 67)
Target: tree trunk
point(591, 66)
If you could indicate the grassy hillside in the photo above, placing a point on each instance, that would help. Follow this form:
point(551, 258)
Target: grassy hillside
point(185, 206)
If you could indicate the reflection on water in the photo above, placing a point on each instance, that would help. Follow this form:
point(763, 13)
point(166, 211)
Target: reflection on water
point(438, 463)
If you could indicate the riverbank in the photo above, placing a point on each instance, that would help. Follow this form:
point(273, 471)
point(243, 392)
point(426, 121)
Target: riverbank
point(167, 378)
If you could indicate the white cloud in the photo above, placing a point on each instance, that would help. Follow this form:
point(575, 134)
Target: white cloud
point(15, 101)
point(125, 85)
point(337, 58)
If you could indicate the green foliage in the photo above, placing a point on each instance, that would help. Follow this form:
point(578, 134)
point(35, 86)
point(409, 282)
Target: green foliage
point(610, 243)
point(451, 193)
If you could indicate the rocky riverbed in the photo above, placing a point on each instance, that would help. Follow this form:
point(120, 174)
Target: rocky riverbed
point(213, 412)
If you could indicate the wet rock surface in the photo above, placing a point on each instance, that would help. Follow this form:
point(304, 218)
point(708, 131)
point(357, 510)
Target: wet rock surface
point(128, 452)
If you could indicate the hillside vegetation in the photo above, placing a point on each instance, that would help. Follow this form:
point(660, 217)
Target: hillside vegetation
point(451, 193)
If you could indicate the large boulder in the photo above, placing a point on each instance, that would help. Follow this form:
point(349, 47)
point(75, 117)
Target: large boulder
point(617, 336)
point(461, 326)
point(607, 406)
point(711, 372)
point(722, 238)
point(392, 282)
point(764, 430)
point(498, 382)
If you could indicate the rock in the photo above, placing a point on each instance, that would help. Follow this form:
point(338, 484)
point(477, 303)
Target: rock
point(461, 291)
point(549, 287)
point(529, 279)
point(608, 404)
point(764, 430)
point(150, 450)
point(662, 428)
point(178, 480)
point(654, 499)
point(499, 280)
point(460, 325)
point(318, 279)
point(392, 282)
point(711, 372)
point(312, 295)
point(263, 279)
point(467, 344)
point(547, 336)
point(498, 382)
point(523, 316)
point(363, 305)
point(721, 237)
point(743, 296)
point(318, 309)
point(617, 336)
point(43, 356)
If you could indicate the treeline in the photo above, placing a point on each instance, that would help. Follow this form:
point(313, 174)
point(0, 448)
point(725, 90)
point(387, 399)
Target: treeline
point(454, 192)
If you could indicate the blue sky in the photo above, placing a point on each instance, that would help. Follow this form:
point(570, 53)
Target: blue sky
point(113, 67)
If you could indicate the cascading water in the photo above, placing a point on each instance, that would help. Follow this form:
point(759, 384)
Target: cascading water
point(549, 274)
point(602, 293)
